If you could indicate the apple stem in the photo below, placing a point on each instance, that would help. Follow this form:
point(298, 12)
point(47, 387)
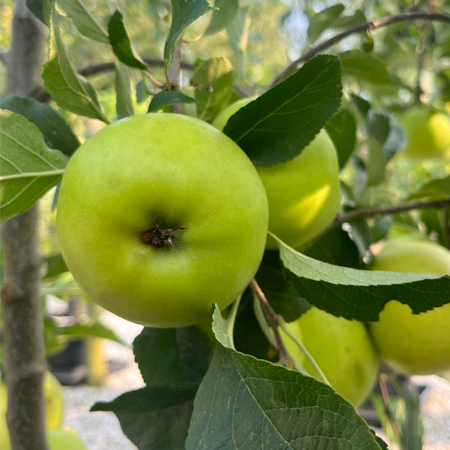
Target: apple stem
point(272, 317)
point(159, 236)
point(232, 319)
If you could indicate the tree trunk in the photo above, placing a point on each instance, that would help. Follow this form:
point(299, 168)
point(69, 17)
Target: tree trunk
point(22, 316)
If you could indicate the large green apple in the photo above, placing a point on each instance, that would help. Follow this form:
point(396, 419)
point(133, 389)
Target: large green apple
point(159, 217)
point(344, 352)
point(304, 193)
point(428, 133)
point(414, 344)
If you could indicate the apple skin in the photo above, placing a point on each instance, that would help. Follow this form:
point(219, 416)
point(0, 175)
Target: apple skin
point(304, 193)
point(343, 350)
point(186, 174)
point(64, 439)
point(428, 133)
point(413, 344)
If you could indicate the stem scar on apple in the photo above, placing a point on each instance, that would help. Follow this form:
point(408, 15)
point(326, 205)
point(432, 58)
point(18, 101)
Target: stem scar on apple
point(160, 236)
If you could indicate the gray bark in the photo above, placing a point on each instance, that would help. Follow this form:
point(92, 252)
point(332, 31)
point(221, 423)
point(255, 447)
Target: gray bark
point(22, 316)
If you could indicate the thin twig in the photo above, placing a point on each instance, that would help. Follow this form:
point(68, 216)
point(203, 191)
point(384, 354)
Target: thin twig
point(110, 66)
point(384, 21)
point(383, 210)
point(232, 319)
point(272, 318)
point(386, 405)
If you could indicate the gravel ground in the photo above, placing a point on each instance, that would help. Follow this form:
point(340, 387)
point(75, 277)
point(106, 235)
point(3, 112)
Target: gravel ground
point(101, 430)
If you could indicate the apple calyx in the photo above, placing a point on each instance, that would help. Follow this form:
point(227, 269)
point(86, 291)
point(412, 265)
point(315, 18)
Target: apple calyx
point(159, 236)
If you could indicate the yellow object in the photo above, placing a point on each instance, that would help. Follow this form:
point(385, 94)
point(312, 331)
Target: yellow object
point(64, 439)
point(54, 401)
point(304, 193)
point(96, 361)
point(54, 408)
point(414, 344)
point(428, 133)
point(343, 350)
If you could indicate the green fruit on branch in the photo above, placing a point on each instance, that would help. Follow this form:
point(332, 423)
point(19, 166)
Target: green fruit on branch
point(304, 193)
point(344, 352)
point(413, 344)
point(428, 133)
point(159, 217)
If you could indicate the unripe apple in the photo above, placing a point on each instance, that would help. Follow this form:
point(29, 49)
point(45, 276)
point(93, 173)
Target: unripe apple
point(428, 133)
point(413, 344)
point(343, 351)
point(159, 217)
point(304, 193)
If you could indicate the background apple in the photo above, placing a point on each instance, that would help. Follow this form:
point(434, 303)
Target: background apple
point(428, 133)
point(343, 350)
point(414, 344)
point(180, 172)
point(54, 408)
point(64, 439)
point(304, 193)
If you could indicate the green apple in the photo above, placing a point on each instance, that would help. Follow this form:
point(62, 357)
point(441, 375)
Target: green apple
point(64, 439)
point(428, 133)
point(159, 217)
point(54, 401)
point(414, 344)
point(304, 193)
point(292, 348)
point(54, 407)
point(344, 352)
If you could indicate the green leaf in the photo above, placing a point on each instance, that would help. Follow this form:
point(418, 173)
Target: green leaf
point(214, 86)
point(88, 330)
point(387, 131)
point(154, 418)
point(184, 12)
point(337, 248)
point(358, 294)
point(364, 67)
point(248, 404)
point(166, 98)
point(361, 105)
point(238, 31)
point(434, 190)
point(124, 102)
point(142, 91)
point(222, 17)
point(323, 20)
point(182, 355)
point(342, 131)
point(42, 9)
point(83, 20)
point(281, 294)
point(346, 22)
point(376, 163)
point(277, 126)
point(67, 88)
point(55, 129)
point(55, 266)
point(28, 168)
point(120, 42)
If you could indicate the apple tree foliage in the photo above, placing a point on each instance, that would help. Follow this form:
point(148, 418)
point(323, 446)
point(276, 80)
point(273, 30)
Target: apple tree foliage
point(211, 393)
